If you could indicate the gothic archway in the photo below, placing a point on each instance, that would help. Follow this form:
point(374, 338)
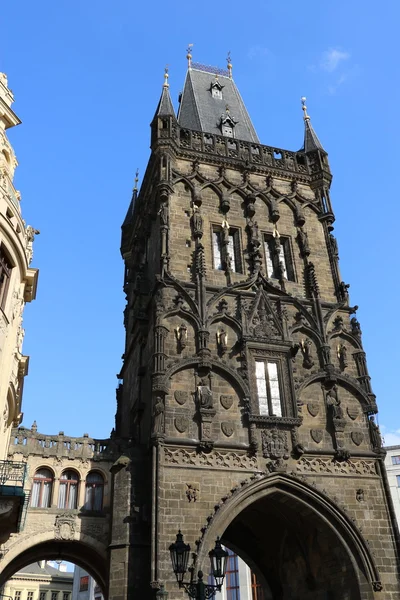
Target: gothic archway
point(77, 552)
point(305, 547)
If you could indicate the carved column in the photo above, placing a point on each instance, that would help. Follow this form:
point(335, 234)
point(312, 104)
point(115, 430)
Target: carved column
point(363, 375)
point(160, 333)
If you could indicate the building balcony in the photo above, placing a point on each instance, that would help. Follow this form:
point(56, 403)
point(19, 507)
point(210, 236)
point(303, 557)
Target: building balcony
point(12, 497)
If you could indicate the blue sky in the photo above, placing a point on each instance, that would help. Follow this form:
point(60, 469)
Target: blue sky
point(87, 78)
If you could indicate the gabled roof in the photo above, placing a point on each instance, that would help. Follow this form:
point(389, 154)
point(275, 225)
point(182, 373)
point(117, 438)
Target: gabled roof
point(201, 111)
point(36, 569)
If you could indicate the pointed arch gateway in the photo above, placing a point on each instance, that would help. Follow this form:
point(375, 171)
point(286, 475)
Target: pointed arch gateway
point(296, 540)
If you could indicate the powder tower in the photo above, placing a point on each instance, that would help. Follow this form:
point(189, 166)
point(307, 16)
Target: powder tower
point(245, 396)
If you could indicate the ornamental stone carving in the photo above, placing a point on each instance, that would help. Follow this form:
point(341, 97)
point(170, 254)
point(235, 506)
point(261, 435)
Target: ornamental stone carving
point(275, 444)
point(181, 424)
point(64, 527)
point(313, 408)
point(353, 412)
point(357, 437)
point(214, 459)
point(317, 435)
point(227, 429)
point(226, 401)
point(181, 397)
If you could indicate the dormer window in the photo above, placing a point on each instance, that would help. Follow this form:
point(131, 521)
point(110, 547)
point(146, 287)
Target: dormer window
point(226, 130)
point(216, 92)
point(216, 89)
point(227, 124)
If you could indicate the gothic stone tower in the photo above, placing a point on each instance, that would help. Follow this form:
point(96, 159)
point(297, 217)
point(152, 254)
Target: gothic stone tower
point(246, 400)
point(17, 286)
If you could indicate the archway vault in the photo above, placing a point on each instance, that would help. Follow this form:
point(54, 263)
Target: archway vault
point(280, 515)
point(84, 553)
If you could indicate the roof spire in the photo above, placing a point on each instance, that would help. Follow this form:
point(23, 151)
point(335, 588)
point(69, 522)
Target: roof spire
point(311, 141)
point(189, 54)
point(135, 189)
point(229, 64)
point(166, 84)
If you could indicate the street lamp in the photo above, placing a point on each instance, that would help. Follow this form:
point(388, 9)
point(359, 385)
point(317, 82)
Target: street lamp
point(198, 589)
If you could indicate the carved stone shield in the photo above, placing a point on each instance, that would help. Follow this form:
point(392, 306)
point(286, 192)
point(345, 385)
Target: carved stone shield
point(313, 408)
point(353, 412)
point(357, 437)
point(316, 435)
point(227, 429)
point(181, 397)
point(226, 400)
point(275, 444)
point(181, 424)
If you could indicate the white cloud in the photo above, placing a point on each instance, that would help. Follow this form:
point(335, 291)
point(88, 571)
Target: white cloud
point(332, 58)
point(390, 437)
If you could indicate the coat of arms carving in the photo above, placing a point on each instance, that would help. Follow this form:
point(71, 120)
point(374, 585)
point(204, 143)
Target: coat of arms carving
point(353, 412)
point(275, 444)
point(227, 429)
point(226, 400)
point(316, 435)
point(181, 396)
point(181, 424)
point(313, 408)
point(357, 437)
point(64, 527)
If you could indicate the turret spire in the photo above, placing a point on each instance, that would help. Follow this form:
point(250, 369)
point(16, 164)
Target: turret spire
point(165, 107)
point(311, 141)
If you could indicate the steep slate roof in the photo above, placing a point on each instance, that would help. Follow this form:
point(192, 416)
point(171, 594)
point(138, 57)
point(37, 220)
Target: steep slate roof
point(200, 111)
point(36, 569)
point(311, 141)
point(165, 106)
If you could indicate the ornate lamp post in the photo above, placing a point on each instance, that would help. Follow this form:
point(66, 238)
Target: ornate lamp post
point(198, 589)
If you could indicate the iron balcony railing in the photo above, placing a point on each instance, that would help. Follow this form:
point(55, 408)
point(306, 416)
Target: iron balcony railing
point(12, 473)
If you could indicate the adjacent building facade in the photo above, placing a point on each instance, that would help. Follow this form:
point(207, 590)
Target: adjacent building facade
point(39, 581)
point(392, 463)
point(245, 409)
point(18, 282)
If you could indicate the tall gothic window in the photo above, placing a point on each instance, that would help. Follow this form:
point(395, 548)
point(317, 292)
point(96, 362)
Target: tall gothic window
point(68, 493)
point(232, 577)
point(94, 491)
point(274, 260)
point(42, 488)
point(232, 248)
point(5, 275)
point(269, 395)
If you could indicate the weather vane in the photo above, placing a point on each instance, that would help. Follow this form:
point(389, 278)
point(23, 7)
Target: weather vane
point(189, 54)
point(304, 108)
point(166, 84)
point(229, 65)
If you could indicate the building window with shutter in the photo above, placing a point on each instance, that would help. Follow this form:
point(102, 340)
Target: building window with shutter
point(268, 390)
point(226, 249)
point(278, 257)
point(395, 460)
point(94, 491)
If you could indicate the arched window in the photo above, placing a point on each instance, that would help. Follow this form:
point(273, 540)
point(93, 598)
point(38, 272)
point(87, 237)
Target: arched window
point(42, 488)
point(68, 494)
point(94, 491)
point(5, 275)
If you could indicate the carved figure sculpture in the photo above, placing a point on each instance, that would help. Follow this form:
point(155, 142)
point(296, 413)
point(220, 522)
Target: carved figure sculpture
point(334, 404)
point(375, 433)
point(197, 222)
point(334, 246)
point(158, 415)
point(302, 238)
point(163, 212)
point(222, 340)
point(342, 355)
point(204, 394)
point(308, 361)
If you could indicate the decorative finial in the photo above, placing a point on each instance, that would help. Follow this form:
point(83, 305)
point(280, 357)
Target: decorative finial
point(304, 108)
point(189, 54)
point(136, 180)
point(229, 65)
point(166, 84)
point(227, 109)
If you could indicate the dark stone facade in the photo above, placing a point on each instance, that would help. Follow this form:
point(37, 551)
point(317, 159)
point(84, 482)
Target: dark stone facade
point(301, 496)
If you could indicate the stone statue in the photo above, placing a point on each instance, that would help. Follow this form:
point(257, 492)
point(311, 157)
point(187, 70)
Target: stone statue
point(158, 415)
point(197, 221)
point(163, 212)
point(204, 394)
point(254, 233)
point(334, 246)
point(225, 233)
point(375, 433)
point(334, 403)
point(302, 238)
point(355, 326)
point(308, 361)
point(343, 291)
point(222, 340)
